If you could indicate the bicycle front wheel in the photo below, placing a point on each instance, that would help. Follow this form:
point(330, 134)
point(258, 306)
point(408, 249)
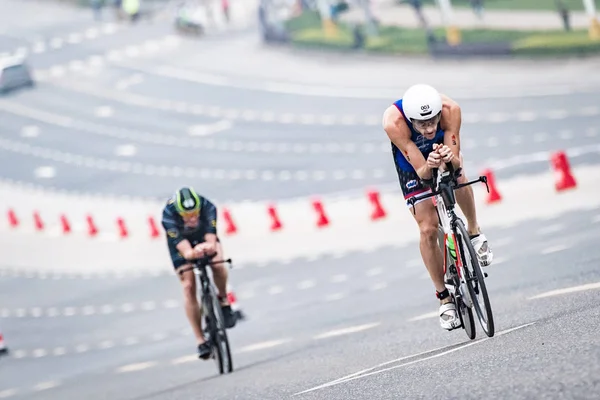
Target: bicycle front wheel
point(474, 277)
point(465, 313)
point(220, 339)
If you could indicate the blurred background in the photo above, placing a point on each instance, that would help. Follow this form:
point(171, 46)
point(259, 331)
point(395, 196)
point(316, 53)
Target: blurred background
point(272, 109)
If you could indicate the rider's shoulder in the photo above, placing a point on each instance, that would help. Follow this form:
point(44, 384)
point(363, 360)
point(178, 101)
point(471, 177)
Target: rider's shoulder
point(393, 117)
point(449, 103)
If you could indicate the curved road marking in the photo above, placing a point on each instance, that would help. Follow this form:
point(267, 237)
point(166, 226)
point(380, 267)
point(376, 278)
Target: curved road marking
point(362, 374)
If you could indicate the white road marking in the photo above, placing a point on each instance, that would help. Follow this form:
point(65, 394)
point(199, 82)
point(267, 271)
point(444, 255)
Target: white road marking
point(30, 131)
point(566, 134)
point(374, 271)
point(264, 345)
point(273, 290)
point(136, 367)
point(339, 278)
point(378, 286)
point(5, 394)
point(104, 111)
point(554, 249)
point(126, 150)
point(539, 137)
point(306, 284)
point(46, 385)
point(550, 229)
point(46, 172)
point(132, 80)
point(184, 359)
point(574, 289)
point(334, 296)
point(425, 316)
point(209, 129)
point(366, 372)
point(346, 331)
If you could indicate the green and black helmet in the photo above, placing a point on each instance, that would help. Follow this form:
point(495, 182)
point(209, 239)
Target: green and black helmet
point(187, 202)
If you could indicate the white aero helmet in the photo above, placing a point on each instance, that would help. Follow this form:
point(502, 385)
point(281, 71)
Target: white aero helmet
point(421, 102)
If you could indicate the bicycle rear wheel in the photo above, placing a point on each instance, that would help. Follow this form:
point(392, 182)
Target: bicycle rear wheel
point(219, 336)
point(475, 279)
point(465, 313)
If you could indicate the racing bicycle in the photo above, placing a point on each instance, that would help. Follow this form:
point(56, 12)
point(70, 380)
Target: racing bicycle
point(463, 275)
point(214, 323)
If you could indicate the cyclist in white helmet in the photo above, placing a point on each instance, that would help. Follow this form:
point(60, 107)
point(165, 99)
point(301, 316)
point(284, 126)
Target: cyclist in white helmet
point(424, 130)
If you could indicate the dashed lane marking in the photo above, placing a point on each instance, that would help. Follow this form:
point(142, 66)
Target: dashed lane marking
point(264, 345)
point(574, 289)
point(249, 115)
point(346, 331)
point(136, 367)
point(5, 394)
point(554, 249)
point(56, 43)
point(38, 312)
point(46, 385)
point(425, 316)
point(137, 168)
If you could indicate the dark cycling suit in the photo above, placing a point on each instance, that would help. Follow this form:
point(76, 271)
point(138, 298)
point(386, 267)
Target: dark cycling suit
point(176, 231)
point(409, 180)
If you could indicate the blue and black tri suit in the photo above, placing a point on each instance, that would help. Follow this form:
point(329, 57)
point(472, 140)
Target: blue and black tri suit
point(409, 180)
point(176, 231)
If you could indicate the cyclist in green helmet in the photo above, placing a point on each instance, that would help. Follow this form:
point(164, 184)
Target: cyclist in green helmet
point(190, 223)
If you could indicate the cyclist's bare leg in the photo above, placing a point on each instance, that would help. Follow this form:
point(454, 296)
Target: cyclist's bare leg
point(192, 307)
point(220, 273)
point(431, 253)
point(466, 202)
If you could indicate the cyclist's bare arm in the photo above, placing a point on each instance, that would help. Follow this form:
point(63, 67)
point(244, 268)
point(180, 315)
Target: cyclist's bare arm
point(399, 133)
point(451, 122)
point(185, 249)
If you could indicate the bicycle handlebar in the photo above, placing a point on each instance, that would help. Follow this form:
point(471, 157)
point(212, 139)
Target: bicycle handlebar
point(204, 261)
point(454, 174)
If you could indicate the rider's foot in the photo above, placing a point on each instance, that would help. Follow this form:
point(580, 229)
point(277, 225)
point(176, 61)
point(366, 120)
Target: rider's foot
point(228, 314)
point(204, 351)
point(448, 317)
point(483, 249)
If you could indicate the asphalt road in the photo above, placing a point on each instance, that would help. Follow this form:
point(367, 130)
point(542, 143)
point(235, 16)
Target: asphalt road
point(125, 113)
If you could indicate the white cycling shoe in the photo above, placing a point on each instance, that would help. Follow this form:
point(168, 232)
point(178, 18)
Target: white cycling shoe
point(483, 250)
point(449, 317)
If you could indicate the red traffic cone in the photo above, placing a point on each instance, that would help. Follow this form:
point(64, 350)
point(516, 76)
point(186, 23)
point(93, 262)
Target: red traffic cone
point(154, 232)
point(66, 226)
point(275, 222)
point(122, 228)
point(322, 219)
point(378, 211)
point(13, 221)
point(37, 220)
point(564, 177)
point(92, 229)
point(494, 195)
point(230, 227)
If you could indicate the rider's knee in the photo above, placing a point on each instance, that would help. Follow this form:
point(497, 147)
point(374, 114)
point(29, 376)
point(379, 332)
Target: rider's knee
point(189, 288)
point(429, 231)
